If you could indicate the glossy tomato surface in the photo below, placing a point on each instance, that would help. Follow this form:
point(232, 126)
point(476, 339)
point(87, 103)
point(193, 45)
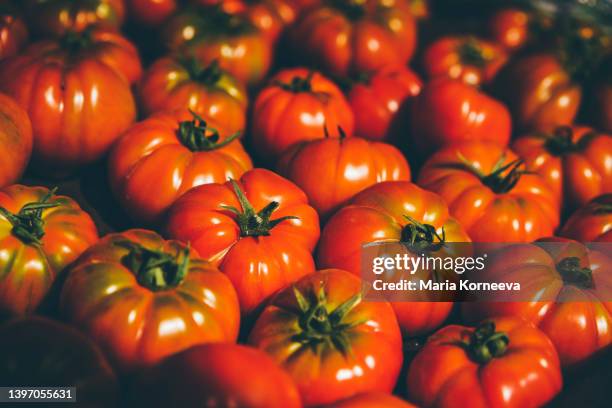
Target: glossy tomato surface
point(13, 31)
point(372, 400)
point(15, 140)
point(592, 222)
point(510, 27)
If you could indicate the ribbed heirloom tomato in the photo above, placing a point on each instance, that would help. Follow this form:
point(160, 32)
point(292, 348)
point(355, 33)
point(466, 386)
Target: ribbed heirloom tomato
point(332, 342)
point(15, 141)
point(71, 88)
point(510, 27)
point(259, 230)
point(40, 234)
point(394, 211)
point(332, 170)
point(150, 12)
point(160, 158)
point(591, 223)
point(504, 362)
point(489, 191)
point(221, 375)
point(174, 83)
point(472, 60)
point(142, 298)
point(380, 102)
point(297, 106)
point(574, 284)
point(351, 36)
point(448, 111)
point(13, 31)
point(372, 400)
point(576, 162)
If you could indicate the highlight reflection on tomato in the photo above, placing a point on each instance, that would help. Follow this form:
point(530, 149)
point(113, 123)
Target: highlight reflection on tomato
point(15, 141)
point(591, 223)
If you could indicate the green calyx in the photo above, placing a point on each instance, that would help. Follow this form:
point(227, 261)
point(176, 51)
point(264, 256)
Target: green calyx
point(318, 326)
point(252, 223)
point(573, 274)
point(206, 75)
point(28, 224)
point(75, 42)
point(601, 208)
point(471, 53)
point(297, 84)
point(486, 344)
point(421, 237)
point(502, 178)
point(197, 136)
point(217, 21)
point(155, 270)
point(562, 141)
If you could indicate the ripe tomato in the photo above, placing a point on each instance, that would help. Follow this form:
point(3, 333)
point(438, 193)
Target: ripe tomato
point(218, 375)
point(509, 27)
point(372, 400)
point(591, 223)
point(71, 89)
point(576, 162)
point(380, 102)
point(391, 212)
point(351, 36)
point(13, 32)
point(333, 344)
point(332, 170)
point(491, 194)
point(15, 141)
point(419, 9)
point(57, 17)
point(150, 12)
point(209, 33)
point(176, 83)
point(44, 353)
point(448, 111)
point(259, 230)
point(472, 60)
point(40, 234)
point(576, 311)
point(501, 363)
point(297, 106)
point(142, 298)
point(160, 158)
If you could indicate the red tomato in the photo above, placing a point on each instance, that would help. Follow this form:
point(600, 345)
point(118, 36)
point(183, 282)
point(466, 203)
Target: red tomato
point(173, 83)
point(40, 235)
point(501, 363)
point(591, 223)
point(372, 400)
point(13, 32)
point(209, 33)
point(380, 102)
point(259, 230)
point(390, 212)
point(576, 162)
point(71, 89)
point(349, 36)
point(472, 60)
point(332, 170)
point(218, 375)
point(297, 106)
point(509, 27)
point(333, 344)
point(15, 141)
point(142, 298)
point(150, 12)
point(160, 158)
point(490, 193)
point(449, 111)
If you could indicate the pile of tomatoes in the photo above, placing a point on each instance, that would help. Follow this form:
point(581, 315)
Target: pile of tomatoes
point(252, 147)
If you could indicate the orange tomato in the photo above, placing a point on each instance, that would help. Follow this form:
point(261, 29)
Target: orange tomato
point(15, 141)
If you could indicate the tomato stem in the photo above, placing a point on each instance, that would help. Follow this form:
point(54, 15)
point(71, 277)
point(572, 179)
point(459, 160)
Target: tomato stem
point(298, 84)
point(497, 181)
point(471, 53)
point(562, 141)
point(486, 344)
point(421, 237)
point(208, 75)
point(28, 224)
point(252, 223)
point(193, 135)
point(75, 42)
point(573, 274)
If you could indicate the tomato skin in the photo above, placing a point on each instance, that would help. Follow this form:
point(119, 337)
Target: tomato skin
point(258, 266)
point(341, 44)
point(31, 268)
point(372, 400)
point(324, 169)
point(13, 33)
point(283, 117)
point(510, 27)
point(70, 96)
point(439, 116)
point(330, 375)
point(576, 162)
point(222, 375)
point(150, 12)
point(578, 328)
point(117, 323)
point(527, 375)
point(381, 103)
point(171, 84)
point(15, 139)
point(46, 353)
point(377, 214)
point(472, 60)
point(56, 17)
point(539, 93)
point(591, 223)
point(145, 162)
